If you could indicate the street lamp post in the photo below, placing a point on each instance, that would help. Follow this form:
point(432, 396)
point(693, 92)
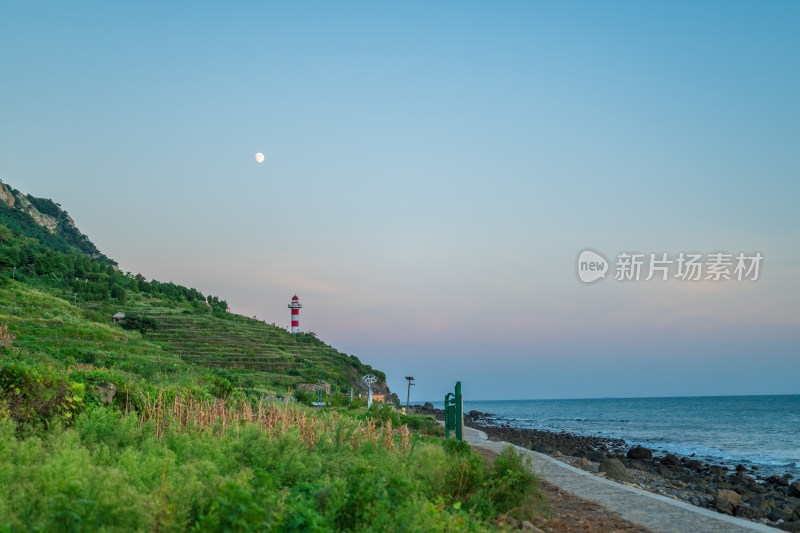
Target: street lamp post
point(410, 383)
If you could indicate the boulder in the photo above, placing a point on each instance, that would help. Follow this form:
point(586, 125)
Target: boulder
point(745, 511)
point(105, 391)
point(778, 514)
point(794, 489)
point(639, 453)
point(778, 481)
point(614, 469)
point(428, 405)
point(670, 460)
point(596, 456)
point(694, 464)
point(758, 501)
point(727, 501)
point(636, 465)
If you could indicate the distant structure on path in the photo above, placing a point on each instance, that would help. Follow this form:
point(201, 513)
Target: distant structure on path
point(295, 307)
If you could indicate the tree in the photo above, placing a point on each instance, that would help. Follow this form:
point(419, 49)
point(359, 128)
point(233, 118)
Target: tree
point(139, 323)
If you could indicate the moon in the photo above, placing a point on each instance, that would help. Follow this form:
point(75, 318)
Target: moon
point(260, 157)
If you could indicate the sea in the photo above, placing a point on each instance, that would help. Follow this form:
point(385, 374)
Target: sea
point(761, 431)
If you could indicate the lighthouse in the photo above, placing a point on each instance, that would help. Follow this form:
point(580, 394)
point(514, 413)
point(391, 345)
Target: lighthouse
point(295, 307)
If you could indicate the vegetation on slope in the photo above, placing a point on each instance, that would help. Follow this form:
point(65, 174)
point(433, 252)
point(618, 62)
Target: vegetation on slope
point(210, 467)
point(187, 443)
point(64, 236)
point(187, 325)
point(168, 454)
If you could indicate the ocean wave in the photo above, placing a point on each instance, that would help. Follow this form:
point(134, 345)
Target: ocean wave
point(777, 461)
point(550, 419)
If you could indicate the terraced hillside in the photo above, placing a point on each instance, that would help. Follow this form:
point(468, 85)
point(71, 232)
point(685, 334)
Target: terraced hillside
point(59, 294)
point(187, 343)
point(256, 357)
point(40, 322)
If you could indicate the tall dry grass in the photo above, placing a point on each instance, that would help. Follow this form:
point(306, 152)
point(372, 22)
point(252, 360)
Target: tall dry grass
point(223, 416)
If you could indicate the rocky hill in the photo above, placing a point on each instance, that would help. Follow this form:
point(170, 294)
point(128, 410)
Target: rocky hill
point(44, 220)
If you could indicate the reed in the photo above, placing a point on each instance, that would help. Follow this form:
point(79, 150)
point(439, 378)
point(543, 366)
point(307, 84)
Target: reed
point(219, 417)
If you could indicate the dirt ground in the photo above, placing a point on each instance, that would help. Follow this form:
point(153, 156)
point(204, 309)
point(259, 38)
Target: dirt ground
point(568, 513)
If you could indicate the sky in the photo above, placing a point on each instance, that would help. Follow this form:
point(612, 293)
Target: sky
point(432, 171)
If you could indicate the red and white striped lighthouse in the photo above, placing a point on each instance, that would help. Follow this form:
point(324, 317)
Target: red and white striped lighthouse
point(295, 307)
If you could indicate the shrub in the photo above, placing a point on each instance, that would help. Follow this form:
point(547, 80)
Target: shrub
point(36, 394)
point(510, 487)
point(425, 424)
point(218, 387)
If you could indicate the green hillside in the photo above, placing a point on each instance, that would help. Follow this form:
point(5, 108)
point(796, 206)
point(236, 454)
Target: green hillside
point(80, 289)
point(254, 356)
point(177, 449)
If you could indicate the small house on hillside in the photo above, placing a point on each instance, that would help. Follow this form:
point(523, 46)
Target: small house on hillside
point(119, 316)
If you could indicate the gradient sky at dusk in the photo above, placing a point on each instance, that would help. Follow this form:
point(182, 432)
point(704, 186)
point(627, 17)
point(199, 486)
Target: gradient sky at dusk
point(432, 171)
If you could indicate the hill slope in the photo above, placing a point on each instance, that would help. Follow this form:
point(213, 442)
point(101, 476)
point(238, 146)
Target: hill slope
point(69, 291)
point(44, 220)
point(252, 353)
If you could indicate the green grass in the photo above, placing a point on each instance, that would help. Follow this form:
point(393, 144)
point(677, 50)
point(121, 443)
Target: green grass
point(47, 324)
point(248, 468)
point(250, 353)
point(259, 359)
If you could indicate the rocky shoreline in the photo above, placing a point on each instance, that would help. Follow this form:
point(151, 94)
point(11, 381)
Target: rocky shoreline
point(773, 500)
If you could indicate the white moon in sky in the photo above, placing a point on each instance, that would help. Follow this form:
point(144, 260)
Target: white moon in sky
point(260, 157)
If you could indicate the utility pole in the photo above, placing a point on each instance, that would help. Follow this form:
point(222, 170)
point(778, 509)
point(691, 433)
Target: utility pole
point(410, 382)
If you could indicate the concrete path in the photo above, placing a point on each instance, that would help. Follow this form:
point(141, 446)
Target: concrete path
point(653, 511)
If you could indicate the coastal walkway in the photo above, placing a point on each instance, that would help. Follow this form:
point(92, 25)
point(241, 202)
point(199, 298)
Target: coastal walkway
point(653, 511)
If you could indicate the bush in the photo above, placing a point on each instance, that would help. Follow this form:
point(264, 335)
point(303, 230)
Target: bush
point(311, 471)
point(510, 487)
point(217, 386)
point(142, 324)
point(425, 424)
point(384, 414)
point(34, 394)
point(304, 397)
